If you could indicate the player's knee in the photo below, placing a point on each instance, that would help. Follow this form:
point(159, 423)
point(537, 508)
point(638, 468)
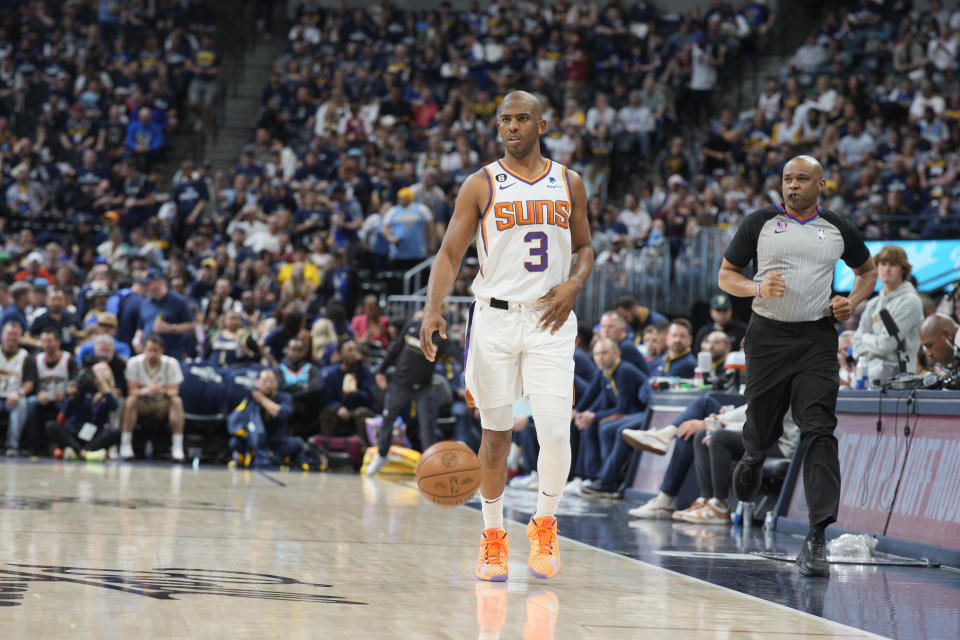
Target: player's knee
point(552, 417)
point(551, 406)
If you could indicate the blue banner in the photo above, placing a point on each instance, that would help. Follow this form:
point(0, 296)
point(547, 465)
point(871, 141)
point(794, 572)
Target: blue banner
point(935, 263)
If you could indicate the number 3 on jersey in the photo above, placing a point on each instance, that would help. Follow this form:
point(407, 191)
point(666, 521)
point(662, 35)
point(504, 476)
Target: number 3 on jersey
point(539, 251)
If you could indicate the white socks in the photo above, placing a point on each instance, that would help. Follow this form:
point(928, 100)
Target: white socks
point(492, 512)
point(176, 441)
point(126, 439)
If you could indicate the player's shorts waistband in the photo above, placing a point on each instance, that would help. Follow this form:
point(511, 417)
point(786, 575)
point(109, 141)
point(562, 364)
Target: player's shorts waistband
point(505, 305)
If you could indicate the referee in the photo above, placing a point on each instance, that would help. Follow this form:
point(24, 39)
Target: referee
point(791, 341)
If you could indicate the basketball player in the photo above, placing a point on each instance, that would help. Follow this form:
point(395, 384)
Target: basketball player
point(528, 215)
point(791, 341)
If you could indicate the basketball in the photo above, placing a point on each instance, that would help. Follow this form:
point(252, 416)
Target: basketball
point(448, 473)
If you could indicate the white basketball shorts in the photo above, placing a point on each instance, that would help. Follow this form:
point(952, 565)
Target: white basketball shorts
point(509, 356)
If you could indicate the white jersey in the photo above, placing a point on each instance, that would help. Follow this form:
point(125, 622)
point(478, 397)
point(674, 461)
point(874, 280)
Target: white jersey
point(523, 240)
point(53, 379)
point(11, 372)
point(166, 373)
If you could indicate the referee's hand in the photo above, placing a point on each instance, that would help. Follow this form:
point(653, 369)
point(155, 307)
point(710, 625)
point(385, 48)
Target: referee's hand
point(841, 308)
point(772, 285)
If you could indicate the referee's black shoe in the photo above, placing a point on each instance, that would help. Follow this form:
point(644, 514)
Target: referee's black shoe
point(812, 559)
point(747, 478)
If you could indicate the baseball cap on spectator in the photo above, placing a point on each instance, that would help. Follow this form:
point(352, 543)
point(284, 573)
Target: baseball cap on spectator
point(356, 152)
point(676, 179)
point(112, 215)
point(41, 282)
point(150, 276)
point(208, 262)
point(250, 150)
point(388, 120)
point(35, 256)
point(720, 301)
point(97, 291)
point(107, 319)
point(78, 109)
point(830, 184)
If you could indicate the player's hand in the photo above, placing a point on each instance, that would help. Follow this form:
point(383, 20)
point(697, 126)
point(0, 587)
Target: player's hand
point(432, 321)
point(560, 301)
point(841, 308)
point(381, 380)
point(772, 285)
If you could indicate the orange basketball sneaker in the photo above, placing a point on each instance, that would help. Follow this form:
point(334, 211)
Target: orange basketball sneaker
point(544, 553)
point(492, 564)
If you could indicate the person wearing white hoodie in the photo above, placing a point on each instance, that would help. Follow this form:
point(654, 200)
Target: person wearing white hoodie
point(872, 343)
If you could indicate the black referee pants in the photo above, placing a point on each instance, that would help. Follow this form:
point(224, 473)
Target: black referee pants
point(794, 365)
point(399, 396)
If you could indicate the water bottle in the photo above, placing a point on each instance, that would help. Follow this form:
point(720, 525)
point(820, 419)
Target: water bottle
point(769, 535)
point(747, 515)
point(861, 374)
point(769, 521)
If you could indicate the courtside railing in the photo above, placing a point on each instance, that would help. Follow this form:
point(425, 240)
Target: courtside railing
point(649, 275)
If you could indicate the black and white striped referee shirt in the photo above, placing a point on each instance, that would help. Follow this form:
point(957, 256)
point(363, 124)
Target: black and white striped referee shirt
point(806, 251)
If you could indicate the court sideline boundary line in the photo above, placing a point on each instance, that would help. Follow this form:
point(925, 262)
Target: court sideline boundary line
point(868, 634)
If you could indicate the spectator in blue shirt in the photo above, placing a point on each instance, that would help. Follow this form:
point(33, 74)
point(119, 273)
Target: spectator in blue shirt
point(167, 314)
point(349, 393)
point(58, 318)
point(191, 197)
point(347, 217)
point(678, 361)
point(624, 394)
point(144, 139)
point(16, 312)
point(613, 326)
point(408, 226)
point(637, 317)
point(272, 444)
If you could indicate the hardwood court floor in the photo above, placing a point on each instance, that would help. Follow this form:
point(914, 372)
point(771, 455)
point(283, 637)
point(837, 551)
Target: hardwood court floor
point(149, 551)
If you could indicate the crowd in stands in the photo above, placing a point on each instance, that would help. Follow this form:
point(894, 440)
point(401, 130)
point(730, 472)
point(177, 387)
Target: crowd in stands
point(256, 295)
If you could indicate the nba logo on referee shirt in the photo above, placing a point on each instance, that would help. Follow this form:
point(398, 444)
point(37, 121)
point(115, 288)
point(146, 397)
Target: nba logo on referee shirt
point(781, 224)
point(820, 235)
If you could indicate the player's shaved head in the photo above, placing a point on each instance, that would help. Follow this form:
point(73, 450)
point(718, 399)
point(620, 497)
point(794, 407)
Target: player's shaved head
point(524, 97)
point(805, 164)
